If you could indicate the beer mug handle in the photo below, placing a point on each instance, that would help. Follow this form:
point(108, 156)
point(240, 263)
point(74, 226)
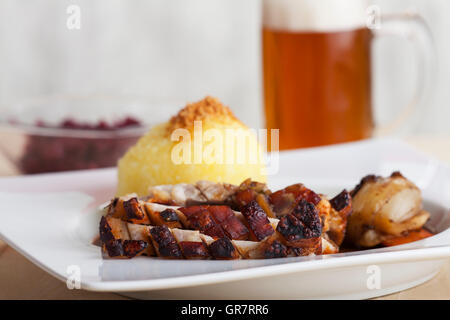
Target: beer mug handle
point(412, 27)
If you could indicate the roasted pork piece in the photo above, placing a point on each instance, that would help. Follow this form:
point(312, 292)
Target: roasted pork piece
point(215, 221)
point(283, 201)
point(160, 215)
point(128, 208)
point(191, 244)
point(340, 209)
point(302, 228)
point(142, 233)
point(116, 241)
point(223, 249)
point(258, 222)
point(249, 191)
point(165, 243)
point(384, 208)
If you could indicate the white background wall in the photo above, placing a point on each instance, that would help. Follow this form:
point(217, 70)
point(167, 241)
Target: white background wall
point(394, 66)
point(179, 50)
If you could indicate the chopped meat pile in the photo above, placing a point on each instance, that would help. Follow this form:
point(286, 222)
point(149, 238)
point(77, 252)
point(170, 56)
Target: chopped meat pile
point(221, 221)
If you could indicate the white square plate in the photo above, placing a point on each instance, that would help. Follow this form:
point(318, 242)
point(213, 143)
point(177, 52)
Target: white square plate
point(51, 220)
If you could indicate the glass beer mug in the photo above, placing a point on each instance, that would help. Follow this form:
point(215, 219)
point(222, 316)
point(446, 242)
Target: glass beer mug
point(317, 68)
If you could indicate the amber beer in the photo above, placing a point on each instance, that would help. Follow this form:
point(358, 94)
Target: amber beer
point(317, 72)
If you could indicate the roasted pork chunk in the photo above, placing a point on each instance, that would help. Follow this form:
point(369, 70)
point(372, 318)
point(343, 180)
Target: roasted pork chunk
point(165, 243)
point(302, 228)
point(142, 233)
point(341, 207)
point(116, 241)
point(215, 221)
point(257, 220)
point(191, 244)
point(223, 249)
point(283, 201)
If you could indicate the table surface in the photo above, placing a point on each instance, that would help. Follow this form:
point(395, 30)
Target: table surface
point(20, 279)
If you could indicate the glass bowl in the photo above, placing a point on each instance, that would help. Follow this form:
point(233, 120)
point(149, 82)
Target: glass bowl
point(96, 133)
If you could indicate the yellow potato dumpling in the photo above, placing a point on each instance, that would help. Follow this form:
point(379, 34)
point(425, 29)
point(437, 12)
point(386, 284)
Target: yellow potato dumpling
point(204, 141)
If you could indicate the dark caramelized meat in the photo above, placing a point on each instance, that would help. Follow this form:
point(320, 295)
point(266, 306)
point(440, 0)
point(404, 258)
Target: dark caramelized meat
point(244, 197)
point(305, 251)
point(223, 249)
point(215, 221)
point(194, 250)
point(134, 212)
point(235, 229)
point(131, 248)
point(301, 192)
point(215, 231)
point(308, 215)
point(257, 220)
point(249, 191)
point(189, 211)
point(283, 201)
point(165, 242)
point(225, 217)
point(220, 213)
point(118, 247)
point(113, 229)
point(201, 220)
point(291, 228)
point(105, 231)
point(342, 201)
point(115, 208)
point(113, 248)
point(302, 228)
point(275, 249)
point(341, 208)
point(169, 215)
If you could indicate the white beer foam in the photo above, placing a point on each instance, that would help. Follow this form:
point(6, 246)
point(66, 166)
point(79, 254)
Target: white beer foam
point(314, 15)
